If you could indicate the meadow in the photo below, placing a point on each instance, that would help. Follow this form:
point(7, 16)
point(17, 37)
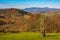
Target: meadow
point(29, 36)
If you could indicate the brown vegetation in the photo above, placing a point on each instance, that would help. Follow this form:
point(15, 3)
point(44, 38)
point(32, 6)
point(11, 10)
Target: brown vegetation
point(15, 20)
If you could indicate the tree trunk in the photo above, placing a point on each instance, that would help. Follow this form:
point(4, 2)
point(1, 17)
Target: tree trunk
point(43, 32)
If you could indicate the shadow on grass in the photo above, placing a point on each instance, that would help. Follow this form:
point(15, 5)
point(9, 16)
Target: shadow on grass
point(50, 35)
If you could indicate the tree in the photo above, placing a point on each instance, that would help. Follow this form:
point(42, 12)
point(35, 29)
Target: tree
point(42, 28)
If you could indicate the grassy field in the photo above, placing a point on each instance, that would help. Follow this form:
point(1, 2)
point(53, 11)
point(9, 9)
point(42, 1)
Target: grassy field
point(29, 36)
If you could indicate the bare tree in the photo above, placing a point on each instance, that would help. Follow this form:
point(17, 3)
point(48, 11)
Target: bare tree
point(42, 28)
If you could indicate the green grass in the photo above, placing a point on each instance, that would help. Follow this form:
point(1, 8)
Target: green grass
point(29, 36)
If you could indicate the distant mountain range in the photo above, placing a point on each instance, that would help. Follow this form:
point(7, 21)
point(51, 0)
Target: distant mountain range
point(39, 10)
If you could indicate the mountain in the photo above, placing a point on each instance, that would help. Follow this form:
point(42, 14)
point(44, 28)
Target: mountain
point(39, 10)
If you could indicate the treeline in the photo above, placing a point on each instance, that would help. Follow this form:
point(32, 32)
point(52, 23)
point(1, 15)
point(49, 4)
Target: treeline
point(15, 20)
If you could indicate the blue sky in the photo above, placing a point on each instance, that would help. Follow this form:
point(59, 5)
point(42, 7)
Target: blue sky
point(29, 3)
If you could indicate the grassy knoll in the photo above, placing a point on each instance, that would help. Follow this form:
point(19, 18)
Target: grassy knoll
point(29, 36)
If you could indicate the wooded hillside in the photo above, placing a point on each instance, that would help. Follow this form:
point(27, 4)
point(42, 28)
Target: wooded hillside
point(16, 20)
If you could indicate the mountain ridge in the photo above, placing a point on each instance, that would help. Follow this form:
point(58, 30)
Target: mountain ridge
point(39, 9)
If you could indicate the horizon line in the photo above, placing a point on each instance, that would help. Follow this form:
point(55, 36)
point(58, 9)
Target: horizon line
point(30, 7)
